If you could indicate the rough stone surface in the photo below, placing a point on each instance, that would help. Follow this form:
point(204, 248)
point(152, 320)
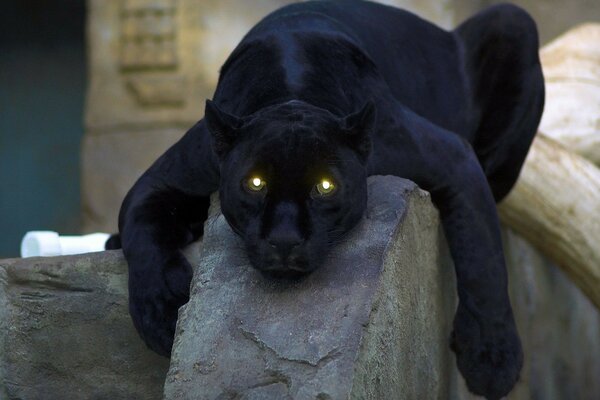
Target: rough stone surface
point(373, 323)
point(337, 333)
point(65, 332)
point(559, 327)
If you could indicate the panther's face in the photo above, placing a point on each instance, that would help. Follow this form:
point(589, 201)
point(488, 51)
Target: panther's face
point(293, 181)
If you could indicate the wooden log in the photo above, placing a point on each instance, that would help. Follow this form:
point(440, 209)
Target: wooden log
point(555, 205)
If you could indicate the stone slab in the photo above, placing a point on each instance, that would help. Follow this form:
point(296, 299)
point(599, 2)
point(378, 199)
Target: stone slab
point(65, 332)
point(371, 330)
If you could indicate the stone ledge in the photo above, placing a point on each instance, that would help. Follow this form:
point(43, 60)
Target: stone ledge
point(65, 332)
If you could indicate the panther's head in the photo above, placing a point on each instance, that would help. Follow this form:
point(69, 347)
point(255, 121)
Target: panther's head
point(293, 180)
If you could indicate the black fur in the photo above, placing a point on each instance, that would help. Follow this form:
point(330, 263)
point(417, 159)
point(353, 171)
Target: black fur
point(344, 90)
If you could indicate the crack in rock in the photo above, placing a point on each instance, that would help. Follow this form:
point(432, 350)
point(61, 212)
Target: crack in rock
point(330, 356)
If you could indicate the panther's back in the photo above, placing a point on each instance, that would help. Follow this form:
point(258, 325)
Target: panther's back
point(399, 43)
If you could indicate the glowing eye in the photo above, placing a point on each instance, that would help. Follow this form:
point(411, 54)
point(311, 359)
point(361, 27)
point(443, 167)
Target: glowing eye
point(256, 184)
point(325, 187)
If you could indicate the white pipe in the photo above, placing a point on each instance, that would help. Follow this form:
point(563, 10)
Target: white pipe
point(48, 243)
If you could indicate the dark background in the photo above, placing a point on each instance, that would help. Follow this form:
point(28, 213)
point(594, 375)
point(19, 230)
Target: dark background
point(42, 87)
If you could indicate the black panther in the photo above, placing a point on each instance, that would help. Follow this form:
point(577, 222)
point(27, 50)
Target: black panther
point(318, 96)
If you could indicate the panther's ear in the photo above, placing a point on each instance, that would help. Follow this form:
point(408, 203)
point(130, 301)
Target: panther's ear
point(357, 129)
point(222, 126)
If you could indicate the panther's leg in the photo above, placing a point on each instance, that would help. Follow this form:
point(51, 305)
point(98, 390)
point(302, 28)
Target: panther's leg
point(163, 212)
point(503, 70)
point(485, 338)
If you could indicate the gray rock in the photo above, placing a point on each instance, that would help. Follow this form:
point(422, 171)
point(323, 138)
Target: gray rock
point(559, 327)
point(373, 323)
point(65, 332)
point(359, 327)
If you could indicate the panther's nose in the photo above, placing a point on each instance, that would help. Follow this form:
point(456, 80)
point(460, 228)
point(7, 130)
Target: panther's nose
point(285, 243)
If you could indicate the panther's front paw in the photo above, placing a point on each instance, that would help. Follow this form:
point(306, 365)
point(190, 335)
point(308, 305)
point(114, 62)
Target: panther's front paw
point(155, 295)
point(489, 356)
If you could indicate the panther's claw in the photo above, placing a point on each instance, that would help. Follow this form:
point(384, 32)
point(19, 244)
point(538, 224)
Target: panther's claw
point(154, 300)
point(489, 357)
